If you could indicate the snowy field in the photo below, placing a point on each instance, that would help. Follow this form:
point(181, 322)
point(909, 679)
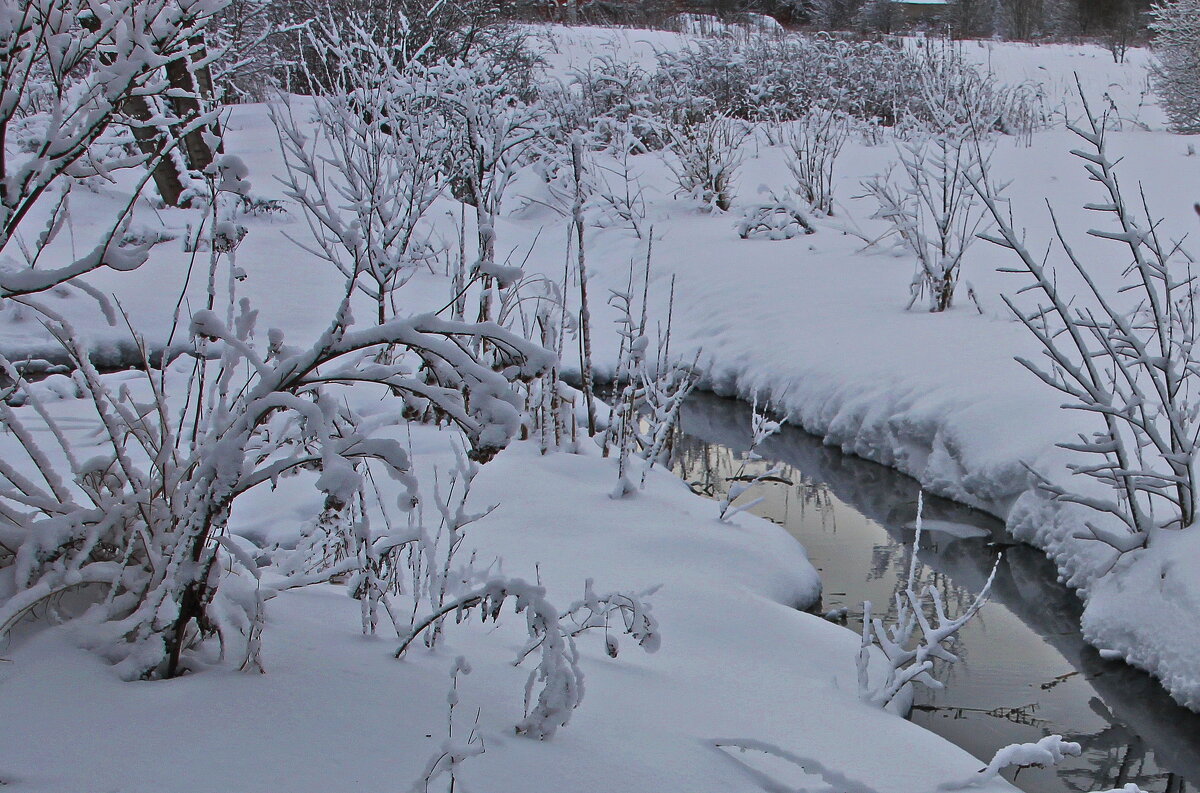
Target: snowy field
point(746, 691)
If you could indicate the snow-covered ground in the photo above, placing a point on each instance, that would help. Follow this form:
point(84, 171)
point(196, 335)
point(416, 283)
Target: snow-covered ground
point(816, 324)
point(335, 711)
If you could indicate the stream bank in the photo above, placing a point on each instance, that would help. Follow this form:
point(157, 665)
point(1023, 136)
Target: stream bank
point(1025, 670)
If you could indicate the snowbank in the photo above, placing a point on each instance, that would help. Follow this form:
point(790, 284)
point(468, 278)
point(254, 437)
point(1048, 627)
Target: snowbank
point(335, 711)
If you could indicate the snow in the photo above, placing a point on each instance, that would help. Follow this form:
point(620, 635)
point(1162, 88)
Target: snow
point(814, 323)
point(817, 325)
point(335, 710)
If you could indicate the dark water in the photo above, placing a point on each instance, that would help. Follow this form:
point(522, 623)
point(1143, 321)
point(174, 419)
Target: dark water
point(1025, 671)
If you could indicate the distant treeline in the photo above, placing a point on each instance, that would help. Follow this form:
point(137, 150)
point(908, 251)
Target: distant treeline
point(1015, 19)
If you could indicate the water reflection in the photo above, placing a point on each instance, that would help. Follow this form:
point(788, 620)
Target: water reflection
point(1025, 670)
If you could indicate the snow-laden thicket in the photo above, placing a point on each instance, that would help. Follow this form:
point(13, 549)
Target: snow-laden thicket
point(143, 525)
point(122, 492)
point(924, 396)
point(140, 526)
point(784, 78)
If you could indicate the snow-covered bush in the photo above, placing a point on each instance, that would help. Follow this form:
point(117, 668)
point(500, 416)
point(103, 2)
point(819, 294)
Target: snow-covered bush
point(775, 79)
point(552, 636)
point(1133, 366)
point(143, 524)
point(620, 103)
point(955, 95)
point(707, 158)
point(779, 218)
point(619, 198)
point(813, 145)
point(911, 662)
point(371, 166)
point(651, 389)
point(772, 78)
point(1176, 29)
point(428, 31)
point(932, 210)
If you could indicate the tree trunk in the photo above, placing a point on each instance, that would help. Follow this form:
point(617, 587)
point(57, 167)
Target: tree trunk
point(150, 140)
point(585, 315)
point(185, 100)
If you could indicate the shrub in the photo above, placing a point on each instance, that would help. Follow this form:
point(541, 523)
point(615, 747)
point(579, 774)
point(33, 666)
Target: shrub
point(709, 155)
point(933, 211)
point(764, 78)
point(813, 146)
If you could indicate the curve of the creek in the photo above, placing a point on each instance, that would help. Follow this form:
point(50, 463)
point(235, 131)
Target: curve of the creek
point(1024, 670)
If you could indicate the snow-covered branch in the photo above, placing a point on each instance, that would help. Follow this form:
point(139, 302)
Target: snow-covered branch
point(1135, 367)
point(909, 663)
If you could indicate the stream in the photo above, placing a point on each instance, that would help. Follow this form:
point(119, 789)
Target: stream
point(1024, 670)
